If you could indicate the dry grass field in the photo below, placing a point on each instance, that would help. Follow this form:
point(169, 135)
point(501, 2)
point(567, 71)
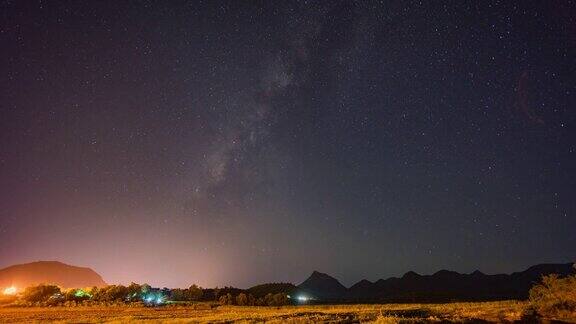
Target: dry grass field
point(504, 311)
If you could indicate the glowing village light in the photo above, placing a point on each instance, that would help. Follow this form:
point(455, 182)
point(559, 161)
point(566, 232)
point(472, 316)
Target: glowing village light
point(156, 299)
point(302, 298)
point(10, 290)
point(81, 293)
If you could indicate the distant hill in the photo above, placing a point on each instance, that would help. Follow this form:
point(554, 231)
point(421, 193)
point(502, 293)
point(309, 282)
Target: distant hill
point(52, 272)
point(441, 286)
point(271, 288)
point(322, 286)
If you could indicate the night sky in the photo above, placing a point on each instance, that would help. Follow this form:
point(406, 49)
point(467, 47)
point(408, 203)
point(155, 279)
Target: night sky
point(241, 142)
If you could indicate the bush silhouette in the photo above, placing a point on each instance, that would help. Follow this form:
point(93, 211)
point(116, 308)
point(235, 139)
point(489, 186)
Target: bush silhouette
point(40, 293)
point(555, 297)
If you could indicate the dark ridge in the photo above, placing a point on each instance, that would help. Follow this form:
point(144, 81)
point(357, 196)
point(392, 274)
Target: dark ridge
point(362, 283)
point(410, 274)
point(271, 288)
point(445, 273)
point(442, 286)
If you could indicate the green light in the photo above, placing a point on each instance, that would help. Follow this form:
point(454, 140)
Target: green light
point(81, 293)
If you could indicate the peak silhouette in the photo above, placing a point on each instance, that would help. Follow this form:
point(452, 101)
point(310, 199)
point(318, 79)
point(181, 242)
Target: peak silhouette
point(411, 275)
point(321, 285)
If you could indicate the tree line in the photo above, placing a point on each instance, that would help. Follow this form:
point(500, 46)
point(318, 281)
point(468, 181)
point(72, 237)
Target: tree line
point(45, 294)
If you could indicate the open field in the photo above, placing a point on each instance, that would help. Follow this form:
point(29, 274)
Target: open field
point(504, 311)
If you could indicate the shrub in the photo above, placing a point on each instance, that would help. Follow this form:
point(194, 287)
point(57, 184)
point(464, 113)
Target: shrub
point(178, 294)
point(242, 299)
point(226, 299)
point(278, 299)
point(555, 297)
point(77, 295)
point(40, 293)
point(111, 293)
point(194, 292)
point(134, 291)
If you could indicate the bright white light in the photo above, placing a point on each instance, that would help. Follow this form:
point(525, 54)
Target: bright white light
point(159, 300)
point(149, 299)
point(302, 298)
point(10, 291)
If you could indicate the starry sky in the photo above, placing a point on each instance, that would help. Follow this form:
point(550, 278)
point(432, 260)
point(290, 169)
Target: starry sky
point(241, 142)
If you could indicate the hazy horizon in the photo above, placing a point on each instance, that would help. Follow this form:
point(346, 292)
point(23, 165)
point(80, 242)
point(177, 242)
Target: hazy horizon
point(297, 282)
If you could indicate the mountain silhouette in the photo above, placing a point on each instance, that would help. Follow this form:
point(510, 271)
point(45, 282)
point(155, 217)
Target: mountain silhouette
point(441, 286)
point(322, 286)
point(49, 272)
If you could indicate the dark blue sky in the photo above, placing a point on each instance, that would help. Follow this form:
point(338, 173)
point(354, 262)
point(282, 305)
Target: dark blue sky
point(233, 143)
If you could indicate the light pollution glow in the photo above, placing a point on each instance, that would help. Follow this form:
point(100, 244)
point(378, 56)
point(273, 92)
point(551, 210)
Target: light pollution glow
point(10, 291)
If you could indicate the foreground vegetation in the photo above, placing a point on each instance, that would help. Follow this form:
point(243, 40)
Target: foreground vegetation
point(555, 297)
point(135, 295)
point(502, 311)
